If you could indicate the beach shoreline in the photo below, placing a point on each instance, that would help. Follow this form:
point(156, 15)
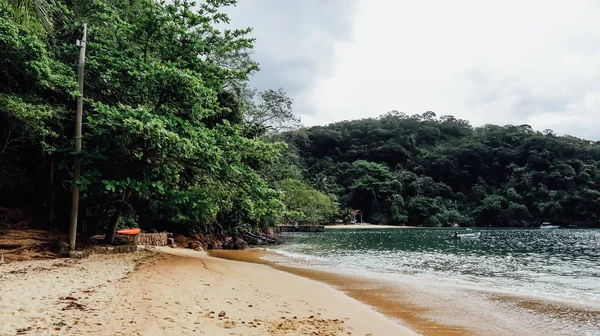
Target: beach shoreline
point(434, 307)
point(168, 291)
point(173, 291)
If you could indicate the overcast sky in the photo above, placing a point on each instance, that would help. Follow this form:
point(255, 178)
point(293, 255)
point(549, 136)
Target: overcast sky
point(501, 62)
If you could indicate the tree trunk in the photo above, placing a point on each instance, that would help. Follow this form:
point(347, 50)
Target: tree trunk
point(51, 196)
point(77, 160)
point(110, 231)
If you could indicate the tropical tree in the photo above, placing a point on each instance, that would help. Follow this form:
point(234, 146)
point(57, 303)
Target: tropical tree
point(33, 14)
point(159, 147)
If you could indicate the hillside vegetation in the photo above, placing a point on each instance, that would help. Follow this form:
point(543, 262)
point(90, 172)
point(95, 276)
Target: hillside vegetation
point(425, 170)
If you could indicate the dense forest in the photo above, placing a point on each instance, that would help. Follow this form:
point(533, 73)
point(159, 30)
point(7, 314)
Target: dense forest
point(430, 171)
point(173, 136)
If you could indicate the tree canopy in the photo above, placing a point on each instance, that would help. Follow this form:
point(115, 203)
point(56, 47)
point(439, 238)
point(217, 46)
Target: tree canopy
point(167, 141)
point(425, 170)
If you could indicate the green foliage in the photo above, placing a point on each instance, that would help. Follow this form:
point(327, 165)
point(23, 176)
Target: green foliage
point(35, 15)
point(424, 170)
point(305, 204)
point(268, 112)
point(163, 146)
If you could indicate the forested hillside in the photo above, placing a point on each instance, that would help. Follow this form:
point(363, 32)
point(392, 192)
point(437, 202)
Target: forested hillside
point(173, 136)
point(425, 170)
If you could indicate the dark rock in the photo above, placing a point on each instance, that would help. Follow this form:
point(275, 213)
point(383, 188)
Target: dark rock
point(259, 239)
point(170, 241)
point(169, 235)
point(222, 314)
point(215, 245)
point(129, 248)
point(80, 254)
point(240, 244)
point(194, 244)
point(181, 239)
point(61, 246)
point(122, 240)
point(151, 239)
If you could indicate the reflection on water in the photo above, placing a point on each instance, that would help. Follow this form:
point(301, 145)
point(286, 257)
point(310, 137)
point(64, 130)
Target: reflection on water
point(562, 264)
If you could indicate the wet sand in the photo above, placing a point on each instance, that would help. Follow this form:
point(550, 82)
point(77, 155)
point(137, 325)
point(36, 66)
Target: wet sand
point(177, 292)
point(440, 308)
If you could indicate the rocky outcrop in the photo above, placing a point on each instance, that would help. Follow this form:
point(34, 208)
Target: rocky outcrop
point(259, 239)
point(196, 245)
point(181, 239)
point(151, 239)
point(61, 246)
point(228, 243)
point(102, 249)
point(240, 244)
point(216, 242)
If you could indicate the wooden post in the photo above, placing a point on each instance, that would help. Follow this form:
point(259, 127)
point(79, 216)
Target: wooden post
point(77, 161)
point(52, 196)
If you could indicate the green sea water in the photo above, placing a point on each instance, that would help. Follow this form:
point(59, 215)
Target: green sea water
point(559, 264)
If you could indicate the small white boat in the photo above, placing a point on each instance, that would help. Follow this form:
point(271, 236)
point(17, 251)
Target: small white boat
point(548, 226)
point(472, 235)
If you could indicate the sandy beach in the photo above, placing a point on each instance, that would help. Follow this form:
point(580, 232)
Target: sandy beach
point(441, 308)
point(175, 292)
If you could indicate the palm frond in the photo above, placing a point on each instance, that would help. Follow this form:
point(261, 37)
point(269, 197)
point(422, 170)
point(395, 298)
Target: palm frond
point(43, 9)
point(30, 13)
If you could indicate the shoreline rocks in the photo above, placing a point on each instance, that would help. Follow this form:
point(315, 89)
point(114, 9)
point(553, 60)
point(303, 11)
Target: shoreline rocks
point(214, 242)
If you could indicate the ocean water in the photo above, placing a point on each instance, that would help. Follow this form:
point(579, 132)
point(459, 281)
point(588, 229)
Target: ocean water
point(550, 264)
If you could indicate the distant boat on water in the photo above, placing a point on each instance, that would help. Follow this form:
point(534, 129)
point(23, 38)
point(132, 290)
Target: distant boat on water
point(470, 235)
point(548, 226)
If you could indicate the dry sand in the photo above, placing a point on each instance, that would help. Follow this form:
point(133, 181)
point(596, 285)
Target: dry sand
point(178, 292)
point(17, 245)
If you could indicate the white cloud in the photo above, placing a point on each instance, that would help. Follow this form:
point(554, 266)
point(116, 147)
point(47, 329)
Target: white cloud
point(501, 62)
point(295, 40)
point(535, 62)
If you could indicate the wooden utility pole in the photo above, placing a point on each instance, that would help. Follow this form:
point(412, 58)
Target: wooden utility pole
point(78, 122)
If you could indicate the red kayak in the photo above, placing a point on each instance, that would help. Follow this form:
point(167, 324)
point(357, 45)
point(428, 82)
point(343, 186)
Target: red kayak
point(130, 231)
